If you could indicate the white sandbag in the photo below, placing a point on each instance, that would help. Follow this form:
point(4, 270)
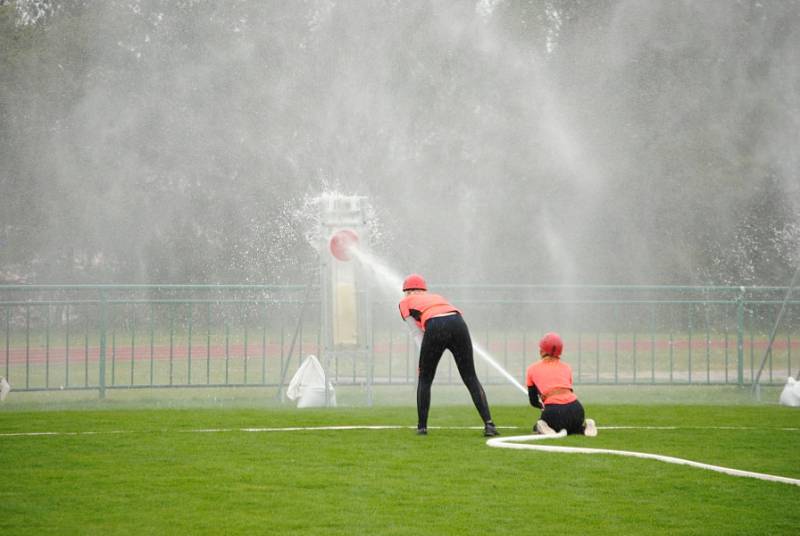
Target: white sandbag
point(308, 385)
point(4, 388)
point(790, 396)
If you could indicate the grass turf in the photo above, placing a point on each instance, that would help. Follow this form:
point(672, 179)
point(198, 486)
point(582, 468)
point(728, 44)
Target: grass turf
point(159, 474)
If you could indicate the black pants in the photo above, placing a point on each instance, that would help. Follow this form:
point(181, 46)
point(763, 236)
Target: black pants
point(447, 333)
point(567, 417)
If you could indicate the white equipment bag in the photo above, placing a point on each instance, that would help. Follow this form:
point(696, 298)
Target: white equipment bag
point(790, 396)
point(4, 388)
point(308, 385)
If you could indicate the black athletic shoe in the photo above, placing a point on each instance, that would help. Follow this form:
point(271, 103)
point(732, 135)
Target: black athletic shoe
point(422, 431)
point(490, 430)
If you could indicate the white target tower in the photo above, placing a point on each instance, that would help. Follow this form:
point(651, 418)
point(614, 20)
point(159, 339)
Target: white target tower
point(344, 290)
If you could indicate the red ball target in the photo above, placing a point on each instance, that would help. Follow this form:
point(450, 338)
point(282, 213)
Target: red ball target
point(342, 242)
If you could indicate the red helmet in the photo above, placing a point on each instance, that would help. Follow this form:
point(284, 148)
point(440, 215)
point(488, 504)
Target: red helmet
point(551, 344)
point(414, 282)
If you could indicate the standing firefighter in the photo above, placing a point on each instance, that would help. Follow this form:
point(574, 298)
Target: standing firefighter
point(440, 327)
point(550, 389)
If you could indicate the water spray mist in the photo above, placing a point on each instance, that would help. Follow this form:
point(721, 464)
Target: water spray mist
point(344, 245)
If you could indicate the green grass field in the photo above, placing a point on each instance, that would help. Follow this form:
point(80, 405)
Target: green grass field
point(119, 468)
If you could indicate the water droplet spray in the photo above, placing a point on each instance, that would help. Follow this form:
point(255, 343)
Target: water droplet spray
point(391, 282)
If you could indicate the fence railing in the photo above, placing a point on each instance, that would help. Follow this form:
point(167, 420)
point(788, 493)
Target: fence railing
point(105, 337)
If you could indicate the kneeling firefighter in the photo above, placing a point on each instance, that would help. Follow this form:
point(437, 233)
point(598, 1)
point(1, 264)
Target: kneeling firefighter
point(550, 389)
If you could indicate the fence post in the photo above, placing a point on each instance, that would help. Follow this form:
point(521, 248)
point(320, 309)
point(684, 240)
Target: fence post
point(101, 383)
point(740, 338)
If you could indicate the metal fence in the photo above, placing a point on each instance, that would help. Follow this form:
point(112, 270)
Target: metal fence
point(105, 337)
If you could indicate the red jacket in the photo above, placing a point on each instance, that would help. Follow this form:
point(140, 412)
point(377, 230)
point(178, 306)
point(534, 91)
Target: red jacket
point(548, 375)
point(423, 306)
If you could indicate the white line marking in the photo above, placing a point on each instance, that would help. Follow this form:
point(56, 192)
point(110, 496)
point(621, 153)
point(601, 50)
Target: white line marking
point(32, 434)
point(223, 430)
point(690, 428)
point(511, 443)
